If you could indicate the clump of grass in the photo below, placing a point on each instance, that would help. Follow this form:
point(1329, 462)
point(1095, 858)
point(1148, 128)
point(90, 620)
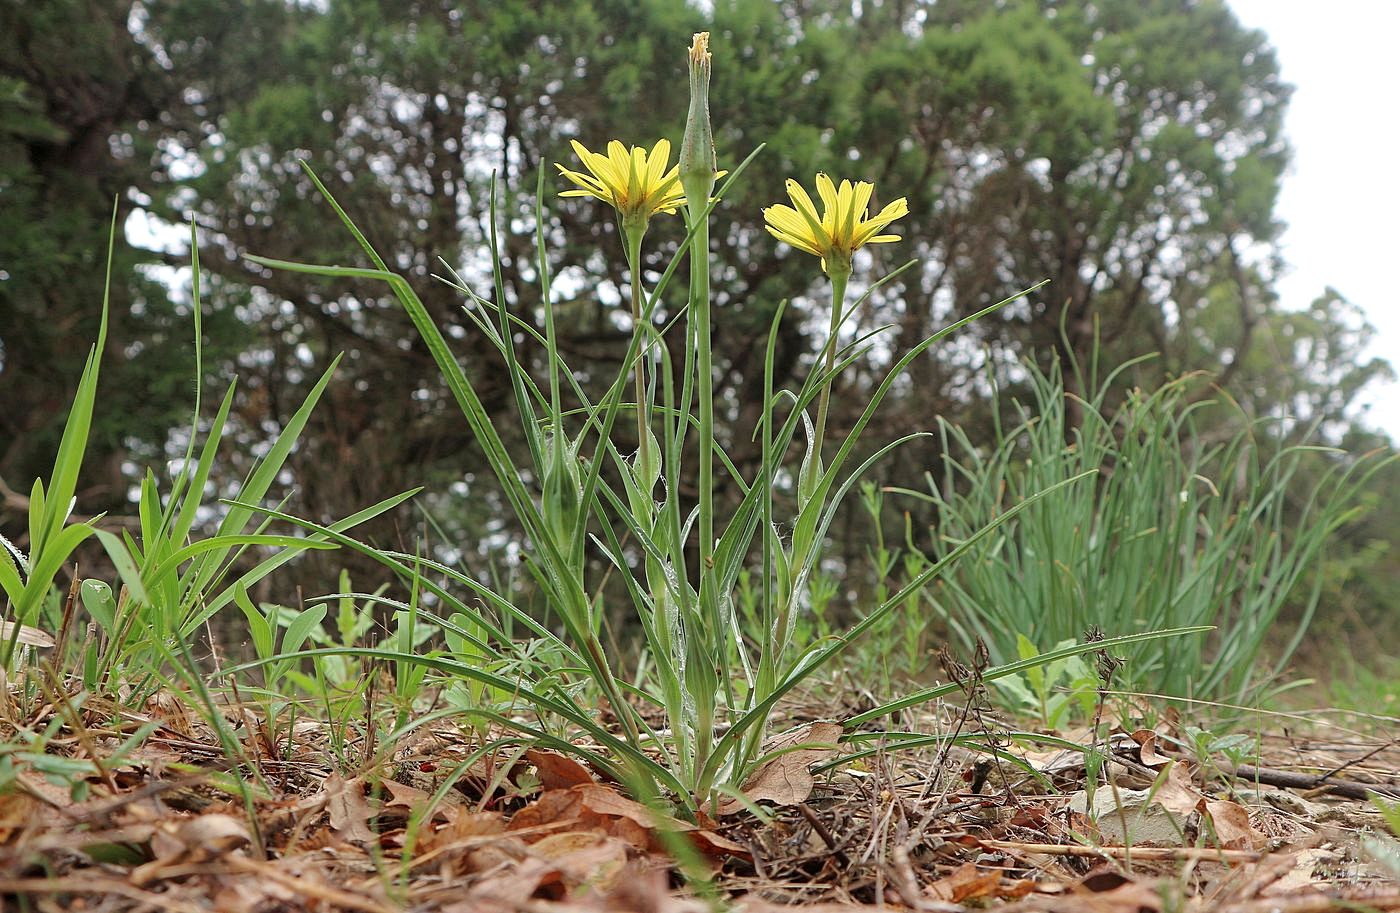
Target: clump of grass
point(1179, 526)
point(27, 581)
point(126, 639)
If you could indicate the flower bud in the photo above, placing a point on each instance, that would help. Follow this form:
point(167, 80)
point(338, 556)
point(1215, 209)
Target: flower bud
point(698, 163)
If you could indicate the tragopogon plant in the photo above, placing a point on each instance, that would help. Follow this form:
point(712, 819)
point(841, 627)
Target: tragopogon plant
point(583, 499)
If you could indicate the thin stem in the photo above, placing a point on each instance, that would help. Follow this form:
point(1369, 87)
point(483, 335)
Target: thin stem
point(634, 268)
point(838, 305)
point(704, 368)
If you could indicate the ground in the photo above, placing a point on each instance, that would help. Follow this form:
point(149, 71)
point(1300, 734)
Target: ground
point(100, 821)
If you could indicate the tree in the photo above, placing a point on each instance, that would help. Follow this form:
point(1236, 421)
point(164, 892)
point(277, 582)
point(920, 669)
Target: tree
point(1129, 151)
point(73, 85)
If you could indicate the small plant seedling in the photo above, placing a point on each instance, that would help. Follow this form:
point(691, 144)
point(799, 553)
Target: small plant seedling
point(1054, 693)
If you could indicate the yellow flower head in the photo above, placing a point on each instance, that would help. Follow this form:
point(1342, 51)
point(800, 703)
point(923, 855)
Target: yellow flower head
point(635, 181)
point(842, 228)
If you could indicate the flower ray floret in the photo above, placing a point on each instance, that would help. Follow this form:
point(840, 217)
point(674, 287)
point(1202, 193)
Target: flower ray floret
point(841, 229)
point(636, 182)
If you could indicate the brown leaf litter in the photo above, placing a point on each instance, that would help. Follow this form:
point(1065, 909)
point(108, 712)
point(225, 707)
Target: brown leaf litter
point(163, 827)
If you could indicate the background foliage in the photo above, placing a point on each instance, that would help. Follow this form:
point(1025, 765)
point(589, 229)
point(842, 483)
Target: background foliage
point(1129, 151)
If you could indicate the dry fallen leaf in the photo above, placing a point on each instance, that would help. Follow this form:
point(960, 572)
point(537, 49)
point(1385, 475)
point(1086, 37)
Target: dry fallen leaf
point(1176, 793)
point(348, 809)
point(466, 829)
point(181, 841)
point(643, 888)
point(1303, 877)
point(785, 779)
point(513, 887)
point(1125, 896)
point(968, 882)
point(18, 812)
point(604, 801)
point(557, 771)
point(554, 806)
point(203, 836)
point(248, 895)
point(1147, 749)
point(1035, 817)
point(583, 859)
point(1233, 828)
point(30, 637)
point(595, 807)
point(412, 799)
point(500, 854)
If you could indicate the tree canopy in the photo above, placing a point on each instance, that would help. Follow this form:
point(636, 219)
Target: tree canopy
point(1128, 151)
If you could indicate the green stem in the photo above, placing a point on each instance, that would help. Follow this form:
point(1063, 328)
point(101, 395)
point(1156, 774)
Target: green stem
point(704, 369)
point(838, 306)
point(634, 267)
point(621, 709)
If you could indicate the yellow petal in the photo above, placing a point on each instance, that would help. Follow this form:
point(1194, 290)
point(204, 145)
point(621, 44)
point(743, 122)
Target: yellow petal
point(604, 169)
point(619, 164)
point(801, 201)
point(845, 215)
point(842, 228)
point(656, 164)
point(827, 191)
point(806, 210)
point(896, 210)
point(861, 199)
point(788, 226)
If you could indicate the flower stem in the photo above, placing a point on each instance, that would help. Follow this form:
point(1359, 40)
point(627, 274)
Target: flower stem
point(634, 269)
point(705, 648)
point(704, 369)
point(838, 306)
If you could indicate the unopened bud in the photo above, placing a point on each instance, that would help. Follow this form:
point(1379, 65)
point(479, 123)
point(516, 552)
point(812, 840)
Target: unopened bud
point(698, 163)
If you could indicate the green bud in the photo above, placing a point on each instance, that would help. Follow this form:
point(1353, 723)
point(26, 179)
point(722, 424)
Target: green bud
point(698, 163)
point(562, 489)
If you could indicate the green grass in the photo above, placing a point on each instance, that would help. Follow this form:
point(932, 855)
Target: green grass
point(1369, 685)
point(1184, 513)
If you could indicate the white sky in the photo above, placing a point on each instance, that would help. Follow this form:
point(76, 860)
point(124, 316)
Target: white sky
point(1341, 198)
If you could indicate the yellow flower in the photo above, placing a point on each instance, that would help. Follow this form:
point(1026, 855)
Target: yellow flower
point(634, 181)
point(842, 228)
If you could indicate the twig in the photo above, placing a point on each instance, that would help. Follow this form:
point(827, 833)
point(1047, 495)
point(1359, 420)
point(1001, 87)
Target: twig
point(906, 884)
point(11, 498)
point(1348, 789)
point(13, 887)
point(819, 827)
point(1123, 852)
point(1355, 761)
point(1314, 903)
point(306, 887)
point(102, 811)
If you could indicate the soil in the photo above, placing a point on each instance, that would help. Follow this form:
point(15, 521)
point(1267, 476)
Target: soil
point(100, 821)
